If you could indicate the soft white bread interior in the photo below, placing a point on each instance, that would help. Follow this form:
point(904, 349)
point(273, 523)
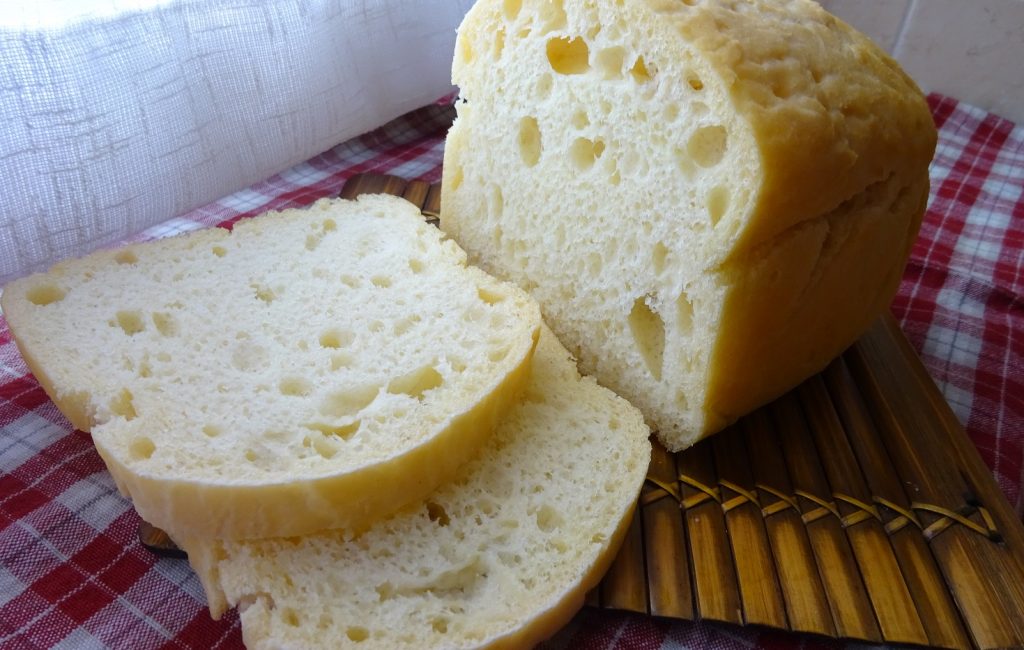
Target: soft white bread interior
point(500, 557)
point(310, 369)
point(709, 198)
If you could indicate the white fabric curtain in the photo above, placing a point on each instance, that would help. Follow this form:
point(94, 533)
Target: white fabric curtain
point(118, 114)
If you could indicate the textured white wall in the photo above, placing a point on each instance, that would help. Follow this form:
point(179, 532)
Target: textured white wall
point(969, 49)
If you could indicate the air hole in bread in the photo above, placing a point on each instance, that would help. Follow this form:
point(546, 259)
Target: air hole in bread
point(263, 292)
point(350, 281)
point(126, 256)
point(609, 62)
point(376, 326)
point(497, 355)
point(649, 335)
point(670, 113)
point(145, 370)
point(141, 448)
point(403, 325)
point(490, 296)
point(130, 322)
point(329, 225)
point(212, 430)
point(312, 241)
point(548, 519)
point(707, 145)
point(594, 263)
point(341, 360)
point(457, 178)
point(529, 141)
point(437, 514)
point(219, 251)
point(568, 55)
point(295, 387)
point(335, 338)
point(45, 294)
point(165, 323)
point(684, 313)
point(658, 257)
point(123, 405)
point(290, 616)
point(357, 634)
point(381, 281)
point(583, 152)
point(416, 383)
point(416, 265)
point(496, 204)
point(343, 403)
point(440, 625)
point(580, 119)
point(465, 50)
point(694, 81)
point(343, 431)
point(717, 202)
point(498, 44)
point(641, 71)
point(552, 13)
point(511, 8)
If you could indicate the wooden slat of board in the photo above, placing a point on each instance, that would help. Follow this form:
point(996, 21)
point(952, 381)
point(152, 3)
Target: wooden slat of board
point(665, 549)
point(416, 193)
point(625, 585)
point(894, 608)
point(935, 606)
point(983, 579)
point(752, 555)
point(714, 575)
point(807, 606)
point(852, 613)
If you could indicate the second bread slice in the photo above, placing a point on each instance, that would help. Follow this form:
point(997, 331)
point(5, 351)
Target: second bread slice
point(311, 369)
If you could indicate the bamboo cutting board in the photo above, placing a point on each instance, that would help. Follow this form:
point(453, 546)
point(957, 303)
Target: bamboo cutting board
point(854, 507)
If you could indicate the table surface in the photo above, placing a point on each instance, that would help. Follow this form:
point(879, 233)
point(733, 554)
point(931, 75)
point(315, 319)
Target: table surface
point(73, 575)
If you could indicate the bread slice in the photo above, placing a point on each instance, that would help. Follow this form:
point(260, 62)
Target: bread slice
point(710, 199)
point(501, 557)
point(311, 369)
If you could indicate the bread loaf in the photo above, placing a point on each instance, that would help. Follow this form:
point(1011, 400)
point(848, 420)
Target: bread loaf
point(710, 199)
point(311, 369)
point(500, 557)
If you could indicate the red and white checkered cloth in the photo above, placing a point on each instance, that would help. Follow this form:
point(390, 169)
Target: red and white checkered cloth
point(72, 572)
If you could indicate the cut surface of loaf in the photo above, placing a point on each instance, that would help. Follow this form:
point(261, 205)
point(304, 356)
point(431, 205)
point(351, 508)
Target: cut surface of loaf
point(500, 557)
point(710, 199)
point(310, 369)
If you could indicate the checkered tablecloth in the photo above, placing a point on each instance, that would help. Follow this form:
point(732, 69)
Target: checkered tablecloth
point(73, 575)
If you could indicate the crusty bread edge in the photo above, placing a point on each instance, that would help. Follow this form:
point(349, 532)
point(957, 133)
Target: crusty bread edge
point(349, 501)
point(74, 407)
point(552, 620)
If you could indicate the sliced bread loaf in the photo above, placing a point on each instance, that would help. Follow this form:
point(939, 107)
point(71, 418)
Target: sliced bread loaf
point(311, 369)
point(710, 199)
point(501, 557)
